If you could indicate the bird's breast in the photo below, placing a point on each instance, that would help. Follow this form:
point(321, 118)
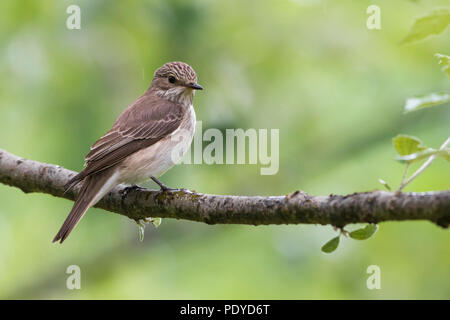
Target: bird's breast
point(161, 156)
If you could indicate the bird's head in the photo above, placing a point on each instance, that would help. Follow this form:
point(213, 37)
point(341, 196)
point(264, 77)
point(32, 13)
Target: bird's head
point(176, 81)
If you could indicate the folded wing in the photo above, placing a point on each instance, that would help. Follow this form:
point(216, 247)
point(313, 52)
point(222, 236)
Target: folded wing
point(142, 124)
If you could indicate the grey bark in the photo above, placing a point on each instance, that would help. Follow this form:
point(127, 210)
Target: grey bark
point(295, 208)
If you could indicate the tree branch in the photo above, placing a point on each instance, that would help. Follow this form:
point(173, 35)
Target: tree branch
point(295, 208)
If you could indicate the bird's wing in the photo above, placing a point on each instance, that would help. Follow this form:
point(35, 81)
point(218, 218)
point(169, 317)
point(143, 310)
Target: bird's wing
point(142, 124)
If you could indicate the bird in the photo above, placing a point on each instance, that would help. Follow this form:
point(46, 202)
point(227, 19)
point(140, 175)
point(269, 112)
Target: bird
point(143, 143)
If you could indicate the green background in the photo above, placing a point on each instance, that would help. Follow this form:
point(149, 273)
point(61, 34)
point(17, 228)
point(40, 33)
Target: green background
point(309, 68)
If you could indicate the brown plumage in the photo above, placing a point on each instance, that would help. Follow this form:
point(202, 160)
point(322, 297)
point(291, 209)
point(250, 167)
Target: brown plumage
point(146, 121)
point(145, 126)
point(91, 185)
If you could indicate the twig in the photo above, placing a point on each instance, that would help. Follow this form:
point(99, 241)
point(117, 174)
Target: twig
point(423, 167)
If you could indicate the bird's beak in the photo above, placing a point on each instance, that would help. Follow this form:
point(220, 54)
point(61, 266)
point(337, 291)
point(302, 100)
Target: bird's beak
point(195, 86)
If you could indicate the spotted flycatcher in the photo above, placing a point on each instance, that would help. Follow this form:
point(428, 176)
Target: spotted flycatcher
point(141, 142)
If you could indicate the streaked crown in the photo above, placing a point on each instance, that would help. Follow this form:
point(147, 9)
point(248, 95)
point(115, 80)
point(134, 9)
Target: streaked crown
point(179, 70)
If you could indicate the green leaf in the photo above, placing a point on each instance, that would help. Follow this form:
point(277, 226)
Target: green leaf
point(331, 245)
point(445, 155)
point(364, 233)
point(444, 62)
point(141, 228)
point(156, 222)
point(410, 158)
point(405, 144)
point(433, 23)
point(425, 101)
point(385, 184)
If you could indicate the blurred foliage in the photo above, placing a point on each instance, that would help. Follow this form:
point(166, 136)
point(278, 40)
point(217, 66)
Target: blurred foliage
point(308, 67)
point(405, 144)
point(444, 61)
point(425, 101)
point(431, 24)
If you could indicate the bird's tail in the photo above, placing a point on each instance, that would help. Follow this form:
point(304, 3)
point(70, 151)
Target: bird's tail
point(93, 189)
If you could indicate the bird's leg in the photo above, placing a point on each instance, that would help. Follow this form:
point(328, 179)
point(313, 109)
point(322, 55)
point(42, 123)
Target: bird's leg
point(162, 185)
point(127, 190)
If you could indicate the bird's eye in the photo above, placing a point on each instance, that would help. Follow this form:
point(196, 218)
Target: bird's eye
point(172, 79)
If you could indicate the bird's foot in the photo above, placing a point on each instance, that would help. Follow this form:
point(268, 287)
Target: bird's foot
point(162, 185)
point(129, 189)
point(143, 222)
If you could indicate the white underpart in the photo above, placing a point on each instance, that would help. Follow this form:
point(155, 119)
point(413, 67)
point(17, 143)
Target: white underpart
point(179, 94)
point(159, 157)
